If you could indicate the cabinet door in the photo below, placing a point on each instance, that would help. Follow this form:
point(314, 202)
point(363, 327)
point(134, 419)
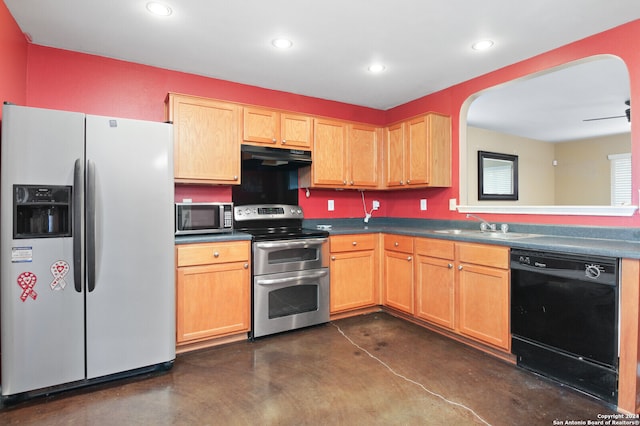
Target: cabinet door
point(440, 150)
point(435, 300)
point(363, 156)
point(417, 156)
point(212, 300)
point(206, 140)
point(329, 153)
point(296, 131)
point(395, 155)
point(352, 280)
point(484, 304)
point(260, 126)
point(398, 281)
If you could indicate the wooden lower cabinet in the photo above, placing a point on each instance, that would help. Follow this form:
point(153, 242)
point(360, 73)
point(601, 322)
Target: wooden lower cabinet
point(213, 290)
point(354, 272)
point(398, 272)
point(484, 304)
point(435, 281)
point(464, 287)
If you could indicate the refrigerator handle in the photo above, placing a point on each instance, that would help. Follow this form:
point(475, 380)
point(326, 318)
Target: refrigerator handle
point(90, 195)
point(77, 225)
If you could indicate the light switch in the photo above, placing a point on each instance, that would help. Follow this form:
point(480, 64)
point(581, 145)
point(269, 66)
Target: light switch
point(330, 205)
point(423, 204)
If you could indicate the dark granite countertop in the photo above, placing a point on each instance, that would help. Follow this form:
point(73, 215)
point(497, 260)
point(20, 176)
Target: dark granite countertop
point(212, 238)
point(600, 241)
point(588, 240)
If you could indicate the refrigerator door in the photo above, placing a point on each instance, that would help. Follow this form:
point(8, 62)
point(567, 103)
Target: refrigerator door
point(130, 286)
point(42, 314)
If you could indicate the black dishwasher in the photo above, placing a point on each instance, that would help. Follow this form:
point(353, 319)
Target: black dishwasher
point(564, 319)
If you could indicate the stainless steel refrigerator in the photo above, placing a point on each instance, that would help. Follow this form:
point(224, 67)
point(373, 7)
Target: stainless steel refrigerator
point(86, 249)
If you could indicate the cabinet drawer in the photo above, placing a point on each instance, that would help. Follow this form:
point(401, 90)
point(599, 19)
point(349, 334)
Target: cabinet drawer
point(483, 254)
point(341, 243)
point(401, 243)
point(211, 253)
point(442, 249)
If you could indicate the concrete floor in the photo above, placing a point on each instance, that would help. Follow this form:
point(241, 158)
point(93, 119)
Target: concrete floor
point(367, 370)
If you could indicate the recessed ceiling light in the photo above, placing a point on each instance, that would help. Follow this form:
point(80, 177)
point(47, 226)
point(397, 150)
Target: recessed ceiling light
point(159, 9)
point(376, 68)
point(482, 45)
point(282, 43)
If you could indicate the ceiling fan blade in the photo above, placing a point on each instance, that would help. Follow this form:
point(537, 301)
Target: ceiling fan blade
point(604, 118)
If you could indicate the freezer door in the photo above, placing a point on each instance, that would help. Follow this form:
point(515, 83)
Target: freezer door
point(42, 314)
point(130, 245)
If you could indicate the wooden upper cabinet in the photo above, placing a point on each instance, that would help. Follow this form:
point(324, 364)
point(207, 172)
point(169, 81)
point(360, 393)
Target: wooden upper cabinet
point(279, 129)
point(206, 139)
point(346, 155)
point(418, 152)
point(329, 153)
point(363, 153)
point(394, 160)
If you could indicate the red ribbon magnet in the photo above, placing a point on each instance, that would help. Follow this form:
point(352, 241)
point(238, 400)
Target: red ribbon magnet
point(59, 270)
point(26, 281)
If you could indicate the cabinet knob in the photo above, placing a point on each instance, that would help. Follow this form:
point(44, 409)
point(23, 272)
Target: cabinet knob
point(450, 265)
point(333, 258)
point(401, 182)
point(216, 254)
point(284, 141)
point(344, 182)
point(245, 266)
point(235, 178)
point(408, 181)
point(355, 243)
point(351, 183)
point(396, 244)
point(409, 258)
point(459, 267)
point(274, 140)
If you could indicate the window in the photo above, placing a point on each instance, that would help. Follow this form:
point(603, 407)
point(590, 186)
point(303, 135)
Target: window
point(497, 176)
point(620, 179)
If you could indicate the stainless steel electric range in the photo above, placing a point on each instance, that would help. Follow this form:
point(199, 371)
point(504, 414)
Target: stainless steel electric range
point(290, 273)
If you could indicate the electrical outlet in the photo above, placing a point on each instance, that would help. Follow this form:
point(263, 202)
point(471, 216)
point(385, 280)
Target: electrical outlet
point(331, 205)
point(376, 204)
point(423, 204)
point(453, 204)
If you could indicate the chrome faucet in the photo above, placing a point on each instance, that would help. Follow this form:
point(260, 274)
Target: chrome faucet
point(484, 225)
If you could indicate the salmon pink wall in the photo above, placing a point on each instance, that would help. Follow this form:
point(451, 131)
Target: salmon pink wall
point(74, 81)
point(96, 85)
point(618, 41)
point(13, 68)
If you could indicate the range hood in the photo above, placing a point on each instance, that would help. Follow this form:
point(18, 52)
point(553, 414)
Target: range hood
point(263, 156)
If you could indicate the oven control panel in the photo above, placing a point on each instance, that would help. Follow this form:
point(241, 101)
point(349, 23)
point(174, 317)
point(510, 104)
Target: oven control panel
point(267, 211)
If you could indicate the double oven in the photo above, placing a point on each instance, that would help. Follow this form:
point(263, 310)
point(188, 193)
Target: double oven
point(290, 274)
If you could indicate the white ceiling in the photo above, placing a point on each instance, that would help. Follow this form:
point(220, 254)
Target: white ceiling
point(424, 44)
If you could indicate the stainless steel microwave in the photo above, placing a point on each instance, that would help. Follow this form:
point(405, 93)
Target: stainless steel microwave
point(203, 218)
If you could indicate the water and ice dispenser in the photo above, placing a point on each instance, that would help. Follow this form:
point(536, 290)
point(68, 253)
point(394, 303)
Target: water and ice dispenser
point(41, 211)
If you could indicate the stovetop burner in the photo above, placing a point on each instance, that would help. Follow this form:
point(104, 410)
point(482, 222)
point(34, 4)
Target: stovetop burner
point(269, 222)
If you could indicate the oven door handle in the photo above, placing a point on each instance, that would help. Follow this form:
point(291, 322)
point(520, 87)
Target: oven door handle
point(291, 244)
point(274, 281)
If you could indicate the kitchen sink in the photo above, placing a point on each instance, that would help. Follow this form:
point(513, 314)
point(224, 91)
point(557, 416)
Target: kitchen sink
point(496, 235)
point(451, 231)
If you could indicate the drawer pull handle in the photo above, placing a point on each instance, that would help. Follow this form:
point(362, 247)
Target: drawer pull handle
point(396, 244)
point(216, 254)
point(355, 243)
